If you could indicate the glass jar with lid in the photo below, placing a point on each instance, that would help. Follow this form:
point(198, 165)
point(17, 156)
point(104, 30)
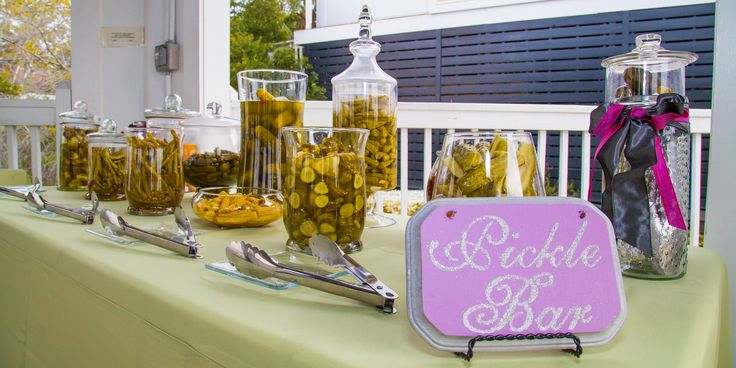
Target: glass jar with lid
point(364, 96)
point(71, 147)
point(169, 116)
point(211, 146)
point(107, 163)
point(638, 77)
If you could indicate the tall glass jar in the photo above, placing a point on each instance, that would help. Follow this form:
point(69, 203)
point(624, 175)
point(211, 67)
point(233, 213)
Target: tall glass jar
point(269, 101)
point(638, 83)
point(71, 147)
point(324, 186)
point(154, 184)
point(107, 163)
point(211, 149)
point(170, 115)
point(364, 96)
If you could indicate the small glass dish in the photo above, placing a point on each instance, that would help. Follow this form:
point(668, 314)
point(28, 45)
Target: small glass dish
point(237, 206)
point(39, 211)
point(300, 261)
point(165, 230)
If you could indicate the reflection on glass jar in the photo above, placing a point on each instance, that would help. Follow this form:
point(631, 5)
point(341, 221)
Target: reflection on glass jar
point(155, 181)
point(269, 101)
point(107, 163)
point(487, 164)
point(324, 186)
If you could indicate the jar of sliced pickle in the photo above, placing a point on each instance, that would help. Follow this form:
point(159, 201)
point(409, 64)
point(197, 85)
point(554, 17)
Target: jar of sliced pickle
point(269, 101)
point(324, 186)
point(107, 163)
point(364, 96)
point(154, 184)
point(72, 147)
point(211, 149)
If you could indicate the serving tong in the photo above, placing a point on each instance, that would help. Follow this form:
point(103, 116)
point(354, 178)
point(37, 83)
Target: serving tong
point(87, 216)
point(253, 261)
point(186, 245)
point(22, 191)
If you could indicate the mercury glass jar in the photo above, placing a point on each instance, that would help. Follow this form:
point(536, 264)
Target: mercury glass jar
point(107, 163)
point(211, 146)
point(364, 96)
point(71, 147)
point(636, 80)
point(170, 115)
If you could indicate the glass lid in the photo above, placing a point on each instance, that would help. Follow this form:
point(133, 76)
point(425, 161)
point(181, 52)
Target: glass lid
point(172, 109)
point(108, 133)
point(79, 113)
point(364, 50)
point(213, 118)
point(648, 53)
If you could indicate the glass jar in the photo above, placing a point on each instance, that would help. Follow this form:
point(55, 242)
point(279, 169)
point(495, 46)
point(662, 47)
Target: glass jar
point(645, 82)
point(169, 116)
point(649, 70)
point(487, 164)
point(269, 101)
point(107, 163)
point(211, 146)
point(364, 96)
point(324, 186)
point(154, 184)
point(71, 147)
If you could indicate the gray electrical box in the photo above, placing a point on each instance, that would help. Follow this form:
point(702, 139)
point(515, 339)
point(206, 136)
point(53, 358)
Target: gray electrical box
point(166, 57)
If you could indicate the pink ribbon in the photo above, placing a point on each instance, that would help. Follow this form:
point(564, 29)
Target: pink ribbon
point(612, 121)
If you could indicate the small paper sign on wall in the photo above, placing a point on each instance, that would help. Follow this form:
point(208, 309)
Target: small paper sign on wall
point(513, 266)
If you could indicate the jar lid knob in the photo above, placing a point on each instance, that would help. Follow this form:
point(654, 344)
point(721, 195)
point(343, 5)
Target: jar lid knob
point(108, 126)
point(648, 42)
point(80, 106)
point(214, 108)
point(365, 21)
point(172, 102)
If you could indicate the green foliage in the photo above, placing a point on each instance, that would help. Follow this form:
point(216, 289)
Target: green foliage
point(7, 87)
point(260, 33)
point(553, 189)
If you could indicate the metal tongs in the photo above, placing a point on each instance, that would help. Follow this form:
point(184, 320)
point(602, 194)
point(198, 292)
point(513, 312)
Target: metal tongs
point(86, 216)
point(187, 246)
point(250, 260)
point(21, 192)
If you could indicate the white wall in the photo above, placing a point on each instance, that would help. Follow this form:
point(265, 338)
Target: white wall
point(119, 83)
point(337, 19)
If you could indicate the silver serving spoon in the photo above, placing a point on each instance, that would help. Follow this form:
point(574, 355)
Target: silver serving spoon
point(21, 191)
point(182, 221)
point(116, 225)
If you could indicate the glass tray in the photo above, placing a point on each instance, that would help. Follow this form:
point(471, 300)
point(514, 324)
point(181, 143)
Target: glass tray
point(299, 261)
point(165, 230)
point(39, 212)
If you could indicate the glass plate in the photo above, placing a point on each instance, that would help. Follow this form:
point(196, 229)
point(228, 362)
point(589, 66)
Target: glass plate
point(165, 230)
point(299, 261)
point(39, 212)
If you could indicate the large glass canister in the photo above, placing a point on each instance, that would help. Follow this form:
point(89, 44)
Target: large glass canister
point(364, 96)
point(646, 118)
point(211, 149)
point(269, 101)
point(154, 184)
point(324, 186)
point(107, 163)
point(71, 147)
point(170, 115)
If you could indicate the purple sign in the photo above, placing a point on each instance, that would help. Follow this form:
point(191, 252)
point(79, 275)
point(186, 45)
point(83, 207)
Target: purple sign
point(518, 268)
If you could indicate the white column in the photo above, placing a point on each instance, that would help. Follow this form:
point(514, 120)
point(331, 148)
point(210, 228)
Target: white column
point(720, 215)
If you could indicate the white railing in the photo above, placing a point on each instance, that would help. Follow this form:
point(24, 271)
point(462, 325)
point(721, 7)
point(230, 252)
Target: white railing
point(34, 114)
point(539, 118)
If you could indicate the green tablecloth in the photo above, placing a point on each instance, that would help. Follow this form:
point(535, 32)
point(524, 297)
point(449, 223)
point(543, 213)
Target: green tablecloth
point(14, 177)
point(68, 299)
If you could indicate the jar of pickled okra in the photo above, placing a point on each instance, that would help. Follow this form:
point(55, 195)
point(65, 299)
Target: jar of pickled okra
point(170, 115)
point(71, 147)
point(107, 163)
point(324, 186)
point(211, 149)
point(364, 96)
point(154, 184)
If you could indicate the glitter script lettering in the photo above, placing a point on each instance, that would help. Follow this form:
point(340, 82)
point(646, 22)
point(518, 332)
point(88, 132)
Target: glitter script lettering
point(509, 305)
point(472, 253)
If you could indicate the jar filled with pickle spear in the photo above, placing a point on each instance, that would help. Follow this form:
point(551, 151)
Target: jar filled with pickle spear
point(107, 163)
point(211, 146)
point(364, 96)
point(269, 101)
point(324, 186)
point(154, 184)
point(72, 147)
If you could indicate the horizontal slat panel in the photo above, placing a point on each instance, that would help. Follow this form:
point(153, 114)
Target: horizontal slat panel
point(597, 52)
point(548, 44)
point(531, 76)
